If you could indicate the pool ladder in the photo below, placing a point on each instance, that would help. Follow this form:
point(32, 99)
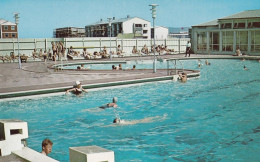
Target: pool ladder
point(174, 62)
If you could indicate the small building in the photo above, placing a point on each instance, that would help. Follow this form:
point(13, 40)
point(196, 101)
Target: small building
point(8, 29)
point(140, 28)
point(68, 32)
point(160, 32)
point(225, 35)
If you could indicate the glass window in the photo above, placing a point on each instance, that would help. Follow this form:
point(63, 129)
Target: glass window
point(255, 41)
point(201, 41)
point(145, 31)
point(242, 40)
point(13, 35)
point(5, 27)
point(6, 35)
point(227, 40)
point(214, 41)
point(12, 27)
point(226, 25)
point(145, 25)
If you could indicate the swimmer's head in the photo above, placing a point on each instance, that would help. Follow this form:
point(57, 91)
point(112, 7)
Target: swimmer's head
point(77, 83)
point(116, 120)
point(115, 100)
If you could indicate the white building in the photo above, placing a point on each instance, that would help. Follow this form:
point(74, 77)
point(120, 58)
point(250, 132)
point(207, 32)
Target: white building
point(138, 27)
point(160, 32)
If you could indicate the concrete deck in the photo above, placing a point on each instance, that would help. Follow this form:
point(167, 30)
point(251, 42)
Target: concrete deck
point(37, 76)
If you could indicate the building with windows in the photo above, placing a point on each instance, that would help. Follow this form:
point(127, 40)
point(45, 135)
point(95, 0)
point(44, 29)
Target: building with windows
point(67, 32)
point(225, 35)
point(160, 32)
point(138, 27)
point(8, 29)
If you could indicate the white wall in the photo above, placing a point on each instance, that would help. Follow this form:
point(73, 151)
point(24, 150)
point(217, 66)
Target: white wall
point(161, 32)
point(128, 26)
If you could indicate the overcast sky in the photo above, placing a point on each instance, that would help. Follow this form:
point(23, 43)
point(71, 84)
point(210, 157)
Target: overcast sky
point(38, 18)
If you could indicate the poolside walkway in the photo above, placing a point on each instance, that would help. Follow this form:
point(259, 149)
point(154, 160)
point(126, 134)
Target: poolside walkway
point(37, 75)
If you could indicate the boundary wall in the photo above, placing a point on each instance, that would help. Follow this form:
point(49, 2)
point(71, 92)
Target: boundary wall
point(27, 45)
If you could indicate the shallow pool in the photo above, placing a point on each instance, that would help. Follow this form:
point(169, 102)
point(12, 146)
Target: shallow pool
point(212, 118)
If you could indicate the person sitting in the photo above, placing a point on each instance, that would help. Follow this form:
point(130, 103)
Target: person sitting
point(35, 54)
point(85, 52)
point(112, 104)
point(113, 67)
point(104, 53)
point(46, 146)
point(183, 77)
point(238, 52)
point(134, 50)
point(77, 89)
point(119, 50)
point(145, 49)
point(120, 67)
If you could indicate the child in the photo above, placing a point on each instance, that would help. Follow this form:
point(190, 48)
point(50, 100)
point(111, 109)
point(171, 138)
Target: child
point(46, 146)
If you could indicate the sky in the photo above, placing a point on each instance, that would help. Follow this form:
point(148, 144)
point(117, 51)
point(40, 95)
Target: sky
point(39, 18)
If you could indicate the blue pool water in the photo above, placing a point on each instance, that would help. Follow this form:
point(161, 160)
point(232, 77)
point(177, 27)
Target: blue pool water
point(140, 64)
point(211, 118)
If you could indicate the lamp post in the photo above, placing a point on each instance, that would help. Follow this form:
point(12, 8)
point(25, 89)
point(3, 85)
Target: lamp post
point(154, 16)
point(109, 24)
point(16, 17)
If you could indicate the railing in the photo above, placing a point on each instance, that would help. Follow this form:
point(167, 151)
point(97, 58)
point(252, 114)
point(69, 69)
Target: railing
point(175, 65)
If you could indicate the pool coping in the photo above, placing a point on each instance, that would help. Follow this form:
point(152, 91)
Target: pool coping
point(195, 73)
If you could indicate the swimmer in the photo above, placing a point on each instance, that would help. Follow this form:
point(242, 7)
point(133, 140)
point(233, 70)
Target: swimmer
point(78, 89)
point(118, 121)
point(183, 77)
point(245, 68)
point(113, 104)
point(207, 62)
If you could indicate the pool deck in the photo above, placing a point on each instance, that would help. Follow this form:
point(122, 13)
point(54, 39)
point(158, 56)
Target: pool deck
point(37, 77)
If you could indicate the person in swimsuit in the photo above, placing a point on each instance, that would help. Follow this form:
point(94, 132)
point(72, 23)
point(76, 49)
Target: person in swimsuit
point(108, 105)
point(77, 89)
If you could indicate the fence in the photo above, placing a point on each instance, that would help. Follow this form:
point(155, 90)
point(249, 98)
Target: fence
point(27, 45)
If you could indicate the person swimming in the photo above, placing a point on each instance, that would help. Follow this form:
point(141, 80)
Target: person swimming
point(113, 104)
point(77, 89)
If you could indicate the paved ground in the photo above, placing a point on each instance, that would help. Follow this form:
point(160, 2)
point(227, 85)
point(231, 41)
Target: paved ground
point(37, 75)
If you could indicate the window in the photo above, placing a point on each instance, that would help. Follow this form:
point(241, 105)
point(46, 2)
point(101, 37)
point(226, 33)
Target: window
point(226, 26)
point(253, 25)
point(13, 35)
point(227, 40)
point(145, 25)
point(214, 41)
point(5, 27)
point(145, 31)
point(242, 40)
point(12, 27)
point(239, 25)
point(6, 35)
point(255, 41)
point(201, 41)
point(138, 25)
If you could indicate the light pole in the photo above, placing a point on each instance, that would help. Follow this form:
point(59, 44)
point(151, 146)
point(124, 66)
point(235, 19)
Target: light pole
point(16, 17)
point(154, 16)
point(109, 24)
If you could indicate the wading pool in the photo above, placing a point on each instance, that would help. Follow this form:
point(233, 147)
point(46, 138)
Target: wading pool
point(212, 118)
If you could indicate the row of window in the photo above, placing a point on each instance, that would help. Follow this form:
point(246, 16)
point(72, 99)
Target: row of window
point(240, 25)
point(5, 27)
point(140, 25)
point(228, 41)
point(9, 35)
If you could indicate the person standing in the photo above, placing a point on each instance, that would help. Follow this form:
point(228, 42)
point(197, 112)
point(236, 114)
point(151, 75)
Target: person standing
point(188, 48)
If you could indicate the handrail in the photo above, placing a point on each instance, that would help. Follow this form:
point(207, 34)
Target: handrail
point(175, 65)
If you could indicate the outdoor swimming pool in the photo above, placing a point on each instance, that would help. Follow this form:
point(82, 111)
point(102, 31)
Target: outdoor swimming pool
point(212, 118)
